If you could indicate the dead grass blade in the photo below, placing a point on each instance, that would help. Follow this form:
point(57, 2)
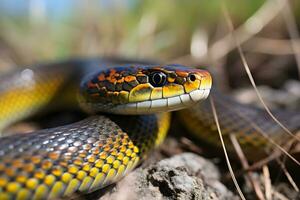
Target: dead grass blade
point(267, 181)
point(293, 32)
point(279, 196)
point(245, 165)
point(272, 46)
point(245, 64)
point(288, 175)
point(224, 149)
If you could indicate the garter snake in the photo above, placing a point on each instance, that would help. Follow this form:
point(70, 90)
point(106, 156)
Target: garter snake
point(97, 151)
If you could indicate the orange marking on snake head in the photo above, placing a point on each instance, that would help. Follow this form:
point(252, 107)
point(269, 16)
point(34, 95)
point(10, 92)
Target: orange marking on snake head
point(112, 72)
point(121, 80)
point(182, 73)
point(101, 77)
point(111, 79)
point(112, 76)
point(157, 68)
point(130, 78)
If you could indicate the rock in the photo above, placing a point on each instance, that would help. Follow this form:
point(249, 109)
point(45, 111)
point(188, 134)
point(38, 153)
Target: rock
point(286, 97)
point(293, 87)
point(184, 176)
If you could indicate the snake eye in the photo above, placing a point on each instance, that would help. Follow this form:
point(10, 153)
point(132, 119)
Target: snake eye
point(157, 79)
point(192, 77)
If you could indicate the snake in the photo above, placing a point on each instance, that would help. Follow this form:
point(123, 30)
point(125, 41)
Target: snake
point(134, 100)
point(128, 103)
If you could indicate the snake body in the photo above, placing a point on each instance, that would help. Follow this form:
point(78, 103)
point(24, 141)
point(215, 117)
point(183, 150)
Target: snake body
point(101, 149)
point(242, 121)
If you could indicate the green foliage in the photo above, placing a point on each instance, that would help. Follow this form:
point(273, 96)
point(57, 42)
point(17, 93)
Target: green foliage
point(149, 28)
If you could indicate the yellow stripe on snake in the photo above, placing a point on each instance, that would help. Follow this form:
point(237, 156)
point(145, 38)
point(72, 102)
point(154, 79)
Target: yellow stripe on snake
point(134, 99)
point(101, 149)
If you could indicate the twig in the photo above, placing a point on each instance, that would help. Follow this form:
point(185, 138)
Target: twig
point(279, 196)
point(224, 149)
point(267, 180)
point(264, 161)
point(271, 46)
point(288, 175)
point(245, 165)
point(293, 32)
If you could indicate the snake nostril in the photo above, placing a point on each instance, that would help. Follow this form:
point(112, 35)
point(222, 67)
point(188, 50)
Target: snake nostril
point(192, 77)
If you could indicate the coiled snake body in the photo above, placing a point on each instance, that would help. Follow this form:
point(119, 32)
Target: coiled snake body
point(99, 150)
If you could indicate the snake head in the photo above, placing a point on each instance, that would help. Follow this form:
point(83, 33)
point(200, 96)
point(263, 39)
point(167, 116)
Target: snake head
point(144, 89)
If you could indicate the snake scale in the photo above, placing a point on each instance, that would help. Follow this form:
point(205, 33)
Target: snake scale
point(134, 98)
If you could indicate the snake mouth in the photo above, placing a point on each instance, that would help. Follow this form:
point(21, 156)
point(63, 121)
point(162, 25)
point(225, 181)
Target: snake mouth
point(163, 105)
point(178, 101)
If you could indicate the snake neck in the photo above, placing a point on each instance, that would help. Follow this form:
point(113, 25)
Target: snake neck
point(145, 131)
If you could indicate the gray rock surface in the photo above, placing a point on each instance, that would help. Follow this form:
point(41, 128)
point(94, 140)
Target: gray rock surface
point(184, 176)
point(287, 97)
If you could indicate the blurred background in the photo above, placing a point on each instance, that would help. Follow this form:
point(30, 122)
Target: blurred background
point(38, 30)
point(188, 32)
